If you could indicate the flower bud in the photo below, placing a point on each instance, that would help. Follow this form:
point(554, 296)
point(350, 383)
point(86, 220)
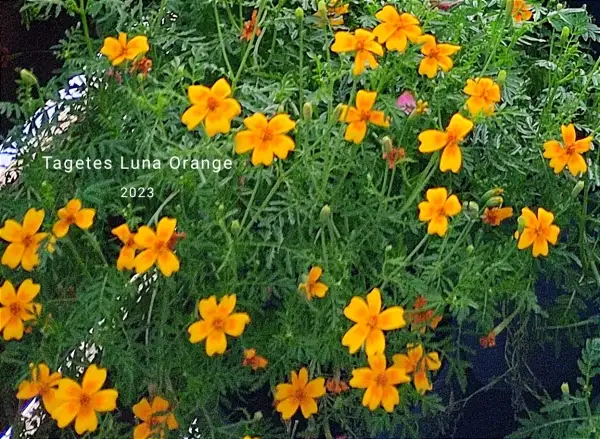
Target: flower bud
point(508, 8)
point(388, 248)
point(299, 13)
point(221, 208)
point(559, 6)
point(280, 109)
point(28, 77)
point(564, 35)
point(387, 144)
point(492, 193)
point(235, 227)
point(258, 416)
point(325, 213)
point(307, 111)
point(577, 189)
point(521, 224)
point(340, 112)
point(470, 249)
point(322, 7)
point(502, 76)
point(471, 209)
point(494, 202)
point(564, 388)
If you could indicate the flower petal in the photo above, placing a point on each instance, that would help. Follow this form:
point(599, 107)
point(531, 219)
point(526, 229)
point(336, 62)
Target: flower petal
point(375, 342)
point(168, 263)
point(216, 343)
point(391, 318)
point(355, 337)
point(199, 331)
point(105, 400)
point(432, 140)
point(93, 379)
point(281, 124)
point(143, 410)
point(236, 323)
point(451, 159)
point(357, 310)
point(374, 301)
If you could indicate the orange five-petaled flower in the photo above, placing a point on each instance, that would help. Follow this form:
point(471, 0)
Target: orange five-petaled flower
point(538, 231)
point(252, 359)
point(71, 214)
point(24, 240)
point(434, 140)
point(17, 307)
point(156, 248)
point(396, 29)
point(521, 11)
point(437, 209)
point(299, 394)
point(380, 383)
point(363, 44)
point(311, 286)
point(484, 94)
point(119, 50)
point(266, 138)
point(495, 215)
point(156, 418)
point(358, 117)
point(43, 383)
point(370, 321)
point(437, 56)
point(126, 258)
point(214, 106)
point(569, 152)
point(418, 363)
point(217, 320)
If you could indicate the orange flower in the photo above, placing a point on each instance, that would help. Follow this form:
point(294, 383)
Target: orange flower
point(24, 240)
point(156, 418)
point(363, 44)
point(71, 214)
point(126, 258)
point(251, 27)
point(521, 11)
point(370, 323)
point(380, 383)
point(569, 152)
point(118, 50)
point(299, 394)
point(489, 341)
point(437, 209)
point(393, 156)
point(336, 12)
point(142, 66)
point(216, 321)
point(496, 215)
point(253, 360)
point(18, 307)
point(538, 231)
point(266, 138)
point(420, 319)
point(484, 94)
point(396, 29)
point(358, 117)
point(312, 287)
point(336, 386)
point(213, 106)
point(418, 364)
point(43, 383)
point(434, 140)
point(155, 248)
point(437, 56)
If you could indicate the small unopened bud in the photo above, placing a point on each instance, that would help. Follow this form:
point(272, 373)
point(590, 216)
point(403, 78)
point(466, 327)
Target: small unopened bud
point(325, 213)
point(235, 227)
point(508, 8)
point(577, 189)
point(299, 13)
point(495, 192)
point(502, 76)
point(471, 209)
point(494, 202)
point(388, 248)
point(258, 416)
point(280, 109)
point(564, 35)
point(307, 111)
point(322, 7)
point(369, 177)
point(564, 388)
point(559, 6)
point(28, 77)
point(221, 208)
point(520, 224)
point(470, 249)
point(340, 112)
point(387, 144)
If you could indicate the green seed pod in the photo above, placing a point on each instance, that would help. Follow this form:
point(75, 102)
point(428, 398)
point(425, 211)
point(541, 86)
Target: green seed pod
point(338, 113)
point(258, 416)
point(502, 76)
point(471, 209)
point(235, 227)
point(307, 111)
point(221, 208)
point(564, 35)
point(28, 77)
point(495, 192)
point(388, 248)
point(508, 8)
point(494, 202)
point(322, 8)
point(521, 224)
point(325, 213)
point(577, 189)
point(280, 109)
point(564, 388)
point(387, 144)
point(559, 6)
point(470, 249)
point(299, 13)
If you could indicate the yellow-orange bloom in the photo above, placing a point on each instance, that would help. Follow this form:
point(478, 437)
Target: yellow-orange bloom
point(437, 209)
point(434, 140)
point(17, 307)
point(266, 138)
point(569, 152)
point(248, 437)
point(156, 248)
point(43, 383)
point(299, 394)
point(437, 56)
point(496, 215)
point(216, 321)
point(396, 29)
point(380, 383)
point(126, 258)
point(24, 240)
point(119, 50)
point(358, 117)
point(71, 214)
point(252, 359)
point(420, 319)
point(417, 363)
point(214, 106)
point(363, 44)
point(484, 94)
point(156, 418)
point(312, 287)
point(521, 11)
point(334, 13)
point(538, 231)
point(370, 321)
point(82, 402)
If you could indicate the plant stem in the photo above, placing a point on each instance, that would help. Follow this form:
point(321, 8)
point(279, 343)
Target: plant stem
point(96, 246)
point(84, 24)
point(260, 16)
point(221, 41)
point(425, 176)
point(252, 197)
point(301, 65)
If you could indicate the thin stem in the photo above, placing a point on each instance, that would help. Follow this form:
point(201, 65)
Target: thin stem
point(221, 41)
point(252, 197)
point(301, 64)
point(425, 176)
point(259, 19)
point(86, 31)
point(96, 246)
point(150, 308)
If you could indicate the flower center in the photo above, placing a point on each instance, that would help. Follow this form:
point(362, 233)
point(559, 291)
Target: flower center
point(372, 322)
point(267, 135)
point(85, 401)
point(218, 323)
point(360, 45)
point(300, 395)
point(15, 309)
point(212, 103)
point(27, 240)
point(434, 52)
point(365, 115)
point(570, 150)
point(381, 380)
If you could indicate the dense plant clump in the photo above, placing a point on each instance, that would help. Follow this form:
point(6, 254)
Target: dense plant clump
point(283, 218)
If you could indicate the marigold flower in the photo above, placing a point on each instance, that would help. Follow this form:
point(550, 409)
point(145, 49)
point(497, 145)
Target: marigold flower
point(24, 240)
point(82, 402)
point(299, 394)
point(252, 359)
point(119, 50)
point(266, 138)
point(43, 383)
point(71, 214)
point(213, 106)
point(521, 11)
point(336, 11)
point(488, 341)
point(393, 156)
point(380, 383)
point(370, 321)
point(155, 248)
point(216, 321)
point(17, 307)
point(417, 363)
point(358, 117)
point(156, 418)
point(420, 319)
point(312, 287)
point(484, 94)
point(422, 107)
point(396, 29)
point(569, 152)
point(437, 56)
point(363, 44)
point(126, 258)
point(434, 140)
point(336, 386)
point(538, 231)
point(251, 27)
point(437, 209)
point(142, 66)
point(496, 215)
